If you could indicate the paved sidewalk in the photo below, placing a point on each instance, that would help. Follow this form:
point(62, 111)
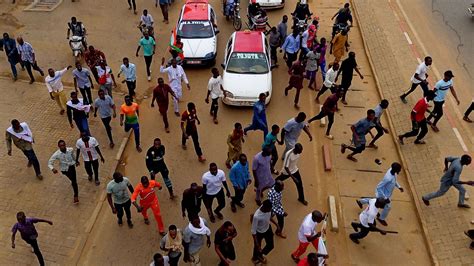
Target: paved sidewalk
point(50, 198)
point(391, 58)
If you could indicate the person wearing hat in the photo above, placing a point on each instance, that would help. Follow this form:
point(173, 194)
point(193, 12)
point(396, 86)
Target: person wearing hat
point(441, 89)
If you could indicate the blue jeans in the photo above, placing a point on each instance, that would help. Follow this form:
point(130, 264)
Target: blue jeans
point(82, 125)
point(257, 126)
point(385, 210)
point(443, 188)
point(323, 69)
point(30, 154)
point(136, 132)
point(13, 67)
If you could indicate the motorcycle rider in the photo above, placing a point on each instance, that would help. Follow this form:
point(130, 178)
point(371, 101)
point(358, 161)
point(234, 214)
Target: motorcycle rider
point(255, 11)
point(77, 29)
point(301, 12)
point(228, 8)
point(343, 17)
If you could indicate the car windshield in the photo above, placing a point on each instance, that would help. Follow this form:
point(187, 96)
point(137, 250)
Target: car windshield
point(247, 63)
point(195, 29)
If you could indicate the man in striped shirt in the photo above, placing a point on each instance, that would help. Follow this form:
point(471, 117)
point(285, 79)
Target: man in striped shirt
point(28, 58)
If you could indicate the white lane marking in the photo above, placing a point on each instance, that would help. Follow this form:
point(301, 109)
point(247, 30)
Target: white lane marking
point(461, 141)
point(408, 38)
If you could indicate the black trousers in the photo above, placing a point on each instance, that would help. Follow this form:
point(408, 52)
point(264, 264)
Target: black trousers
point(92, 166)
point(322, 114)
point(437, 112)
point(345, 85)
point(324, 89)
point(380, 133)
point(108, 128)
point(290, 58)
point(281, 222)
point(268, 236)
point(34, 244)
point(86, 95)
point(469, 110)
point(274, 159)
point(131, 85)
point(132, 2)
point(71, 174)
point(120, 209)
point(208, 199)
point(35, 66)
point(195, 138)
point(423, 86)
point(363, 231)
point(298, 183)
point(214, 107)
point(173, 261)
point(416, 126)
point(30, 154)
point(239, 195)
point(148, 60)
point(273, 54)
point(228, 251)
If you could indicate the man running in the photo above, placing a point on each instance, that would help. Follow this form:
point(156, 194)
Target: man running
point(160, 94)
point(468, 112)
point(296, 80)
point(22, 137)
point(106, 107)
point(79, 112)
point(119, 199)
point(419, 78)
point(239, 175)
point(379, 110)
point(189, 129)
point(275, 196)
point(307, 234)
point(441, 89)
point(367, 220)
point(155, 162)
point(347, 69)
point(270, 139)
point(328, 109)
point(176, 76)
point(28, 58)
point(290, 169)
point(359, 130)
point(234, 144)
point(259, 119)
point(418, 120)
point(83, 81)
point(212, 182)
point(148, 44)
point(129, 112)
point(67, 165)
point(329, 82)
point(55, 87)
point(26, 226)
point(384, 190)
point(130, 72)
point(292, 130)
point(148, 199)
point(451, 178)
point(261, 170)
point(89, 147)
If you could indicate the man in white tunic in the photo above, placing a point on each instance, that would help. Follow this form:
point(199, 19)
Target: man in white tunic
point(176, 76)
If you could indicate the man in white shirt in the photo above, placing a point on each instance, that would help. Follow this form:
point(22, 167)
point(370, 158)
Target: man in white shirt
point(146, 19)
point(290, 169)
point(367, 220)
point(307, 234)
point(215, 90)
point(175, 76)
point(55, 87)
point(67, 165)
point(130, 72)
point(329, 81)
point(106, 77)
point(384, 190)
point(212, 182)
point(419, 78)
point(90, 153)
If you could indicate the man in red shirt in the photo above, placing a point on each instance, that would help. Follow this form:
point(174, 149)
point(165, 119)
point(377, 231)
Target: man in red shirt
point(328, 109)
point(189, 128)
point(148, 199)
point(418, 119)
point(160, 94)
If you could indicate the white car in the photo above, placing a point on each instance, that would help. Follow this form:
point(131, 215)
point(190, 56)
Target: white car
point(247, 71)
point(270, 4)
point(197, 29)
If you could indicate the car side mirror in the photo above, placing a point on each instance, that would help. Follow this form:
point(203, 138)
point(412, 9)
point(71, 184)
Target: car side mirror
point(216, 30)
point(223, 65)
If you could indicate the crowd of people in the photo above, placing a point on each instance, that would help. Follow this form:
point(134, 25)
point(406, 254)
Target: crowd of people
point(305, 54)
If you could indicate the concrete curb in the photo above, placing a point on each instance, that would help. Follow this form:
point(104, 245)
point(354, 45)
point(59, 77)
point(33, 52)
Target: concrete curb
point(399, 151)
point(95, 214)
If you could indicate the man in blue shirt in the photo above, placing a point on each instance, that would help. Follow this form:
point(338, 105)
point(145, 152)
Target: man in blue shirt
point(270, 140)
point(259, 119)
point(384, 190)
point(441, 89)
point(240, 177)
point(291, 46)
point(359, 130)
point(451, 178)
point(130, 72)
point(8, 45)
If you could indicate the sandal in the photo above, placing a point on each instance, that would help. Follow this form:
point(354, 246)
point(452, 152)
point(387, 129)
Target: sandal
point(351, 158)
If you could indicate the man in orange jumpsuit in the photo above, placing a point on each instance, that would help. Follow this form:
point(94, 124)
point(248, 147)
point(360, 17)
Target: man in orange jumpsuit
point(148, 199)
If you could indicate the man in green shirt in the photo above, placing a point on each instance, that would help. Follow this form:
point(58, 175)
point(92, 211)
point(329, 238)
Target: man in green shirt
point(148, 44)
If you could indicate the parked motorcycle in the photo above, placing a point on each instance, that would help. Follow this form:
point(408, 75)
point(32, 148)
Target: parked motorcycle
point(235, 16)
point(77, 47)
